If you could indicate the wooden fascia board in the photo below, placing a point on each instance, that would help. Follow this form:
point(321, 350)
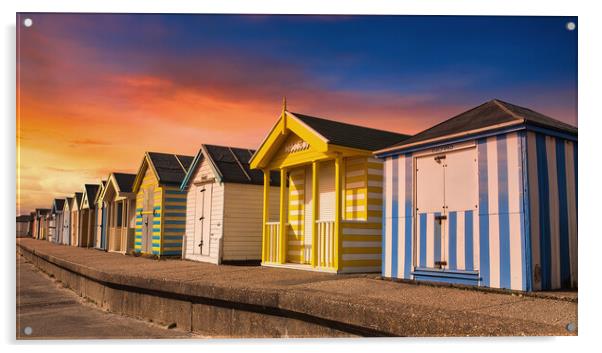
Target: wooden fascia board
point(141, 171)
point(257, 160)
point(287, 122)
point(216, 172)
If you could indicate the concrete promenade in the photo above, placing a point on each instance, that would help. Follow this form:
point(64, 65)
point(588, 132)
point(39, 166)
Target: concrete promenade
point(46, 310)
point(246, 301)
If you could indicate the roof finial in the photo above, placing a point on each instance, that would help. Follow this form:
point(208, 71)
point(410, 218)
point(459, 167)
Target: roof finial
point(283, 104)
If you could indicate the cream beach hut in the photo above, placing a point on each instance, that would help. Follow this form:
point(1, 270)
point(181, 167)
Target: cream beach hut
point(75, 221)
point(224, 206)
point(66, 232)
point(57, 227)
point(120, 206)
point(86, 216)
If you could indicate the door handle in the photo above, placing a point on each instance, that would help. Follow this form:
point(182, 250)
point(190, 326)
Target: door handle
point(202, 218)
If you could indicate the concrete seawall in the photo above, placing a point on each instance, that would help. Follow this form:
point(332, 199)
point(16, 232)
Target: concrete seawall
point(254, 302)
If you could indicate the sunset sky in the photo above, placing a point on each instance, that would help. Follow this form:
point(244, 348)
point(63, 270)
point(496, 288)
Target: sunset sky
point(96, 91)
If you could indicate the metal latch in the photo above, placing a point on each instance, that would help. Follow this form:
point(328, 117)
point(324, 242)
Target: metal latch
point(440, 218)
point(440, 264)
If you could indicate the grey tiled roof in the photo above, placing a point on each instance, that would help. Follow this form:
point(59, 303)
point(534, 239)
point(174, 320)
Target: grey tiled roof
point(125, 181)
point(58, 205)
point(354, 136)
point(91, 190)
point(489, 114)
point(78, 198)
point(170, 168)
point(232, 164)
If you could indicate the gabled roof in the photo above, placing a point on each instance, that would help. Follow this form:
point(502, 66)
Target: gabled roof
point(77, 199)
point(348, 135)
point(124, 181)
point(58, 205)
point(230, 165)
point(91, 190)
point(101, 187)
point(491, 115)
point(168, 168)
point(68, 201)
point(322, 136)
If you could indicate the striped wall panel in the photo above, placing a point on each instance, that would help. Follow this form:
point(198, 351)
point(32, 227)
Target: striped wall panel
point(362, 226)
point(149, 181)
point(169, 221)
point(398, 219)
point(491, 240)
point(552, 179)
point(173, 218)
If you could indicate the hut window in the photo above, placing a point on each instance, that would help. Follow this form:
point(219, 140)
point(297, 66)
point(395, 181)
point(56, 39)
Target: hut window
point(119, 215)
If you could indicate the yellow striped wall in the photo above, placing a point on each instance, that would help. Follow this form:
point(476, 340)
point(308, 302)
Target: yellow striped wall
point(296, 210)
point(149, 181)
point(362, 224)
point(169, 221)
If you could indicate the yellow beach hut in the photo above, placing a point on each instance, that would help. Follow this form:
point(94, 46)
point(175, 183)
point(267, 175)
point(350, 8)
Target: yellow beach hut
point(87, 207)
point(160, 205)
point(120, 203)
point(330, 194)
point(75, 224)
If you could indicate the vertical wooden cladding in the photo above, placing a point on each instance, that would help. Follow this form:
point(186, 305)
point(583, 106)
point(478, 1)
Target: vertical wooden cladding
point(552, 181)
point(200, 178)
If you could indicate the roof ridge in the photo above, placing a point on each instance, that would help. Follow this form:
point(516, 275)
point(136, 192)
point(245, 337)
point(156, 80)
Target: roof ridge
point(507, 110)
point(222, 146)
point(240, 164)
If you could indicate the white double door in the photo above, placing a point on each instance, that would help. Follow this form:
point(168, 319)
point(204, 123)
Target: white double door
point(446, 184)
point(202, 222)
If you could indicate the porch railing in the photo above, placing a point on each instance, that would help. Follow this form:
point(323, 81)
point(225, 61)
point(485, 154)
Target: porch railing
point(325, 244)
point(273, 235)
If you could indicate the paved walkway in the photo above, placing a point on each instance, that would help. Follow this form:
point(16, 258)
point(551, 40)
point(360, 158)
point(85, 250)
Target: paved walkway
point(45, 310)
point(365, 300)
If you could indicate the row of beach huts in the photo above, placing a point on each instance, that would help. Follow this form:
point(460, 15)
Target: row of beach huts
point(487, 198)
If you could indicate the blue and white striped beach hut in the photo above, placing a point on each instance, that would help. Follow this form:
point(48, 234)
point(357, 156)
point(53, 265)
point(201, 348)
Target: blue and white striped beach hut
point(486, 198)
